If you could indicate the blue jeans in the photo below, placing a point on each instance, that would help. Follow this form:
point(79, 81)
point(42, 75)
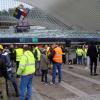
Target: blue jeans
point(79, 59)
point(26, 87)
point(56, 66)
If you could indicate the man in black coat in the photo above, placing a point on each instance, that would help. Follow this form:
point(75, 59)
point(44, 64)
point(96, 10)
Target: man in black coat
point(6, 70)
point(92, 53)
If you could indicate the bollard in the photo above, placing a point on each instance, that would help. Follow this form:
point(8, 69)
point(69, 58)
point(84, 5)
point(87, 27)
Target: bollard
point(3, 93)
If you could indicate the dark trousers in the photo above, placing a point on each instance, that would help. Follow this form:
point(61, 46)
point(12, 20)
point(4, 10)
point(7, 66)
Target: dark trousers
point(38, 68)
point(64, 59)
point(79, 59)
point(13, 81)
point(17, 65)
point(93, 61)
point(44, 75)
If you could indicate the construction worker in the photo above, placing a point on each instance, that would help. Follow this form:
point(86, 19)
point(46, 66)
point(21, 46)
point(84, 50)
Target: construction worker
point(26, 69)
point(85, 48)
point(79, 54)
point(19, 53)
point(37, 55)
point(47, 50)
point(7, 70)
point(57, 62)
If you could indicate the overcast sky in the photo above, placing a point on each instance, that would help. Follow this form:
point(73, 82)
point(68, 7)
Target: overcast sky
point(6, 4)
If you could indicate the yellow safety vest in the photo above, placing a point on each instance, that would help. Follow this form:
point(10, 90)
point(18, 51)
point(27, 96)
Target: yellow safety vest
point(19, 54)
point(85, 52)
point(38, 53)
point(27, 64)
point(48, 51)
point(79, 52)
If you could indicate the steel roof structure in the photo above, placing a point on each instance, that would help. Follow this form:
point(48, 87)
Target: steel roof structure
point(76, 20)
point(80, 14)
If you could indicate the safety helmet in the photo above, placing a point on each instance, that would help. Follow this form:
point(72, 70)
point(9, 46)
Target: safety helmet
point(1, 47)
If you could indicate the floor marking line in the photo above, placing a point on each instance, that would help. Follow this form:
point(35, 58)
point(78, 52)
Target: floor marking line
point(36, 95)
point(85, 69)
point(83, 77)
point(72, 89)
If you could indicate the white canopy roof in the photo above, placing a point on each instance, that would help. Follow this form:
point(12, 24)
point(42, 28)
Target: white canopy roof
point(83, 14)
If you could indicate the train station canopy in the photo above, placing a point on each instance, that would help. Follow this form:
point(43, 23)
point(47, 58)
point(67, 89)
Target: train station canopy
point(83, 14)
point(73, 19)
point(78, 14)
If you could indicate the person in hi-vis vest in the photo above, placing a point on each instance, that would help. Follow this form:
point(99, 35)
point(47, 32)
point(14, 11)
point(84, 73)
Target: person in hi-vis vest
point(19, 54)
point(26, 70)
point(57, 63)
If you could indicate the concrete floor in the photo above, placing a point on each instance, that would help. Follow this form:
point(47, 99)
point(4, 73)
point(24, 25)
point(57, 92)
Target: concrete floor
point(77, 84)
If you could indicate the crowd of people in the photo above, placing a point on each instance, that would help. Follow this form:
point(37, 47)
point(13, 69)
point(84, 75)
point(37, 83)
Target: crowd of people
point(30, 60)
point(88, 53)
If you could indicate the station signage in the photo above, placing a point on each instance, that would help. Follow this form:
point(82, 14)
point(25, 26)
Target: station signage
point(40, 40)
point(18, 40)
point(34, 40)
point(25, 40)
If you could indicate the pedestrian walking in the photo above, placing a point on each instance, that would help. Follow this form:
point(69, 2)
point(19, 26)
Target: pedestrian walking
point(92, 53)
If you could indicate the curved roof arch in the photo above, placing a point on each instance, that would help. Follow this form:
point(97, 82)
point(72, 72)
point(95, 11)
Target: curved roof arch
point(81, 14)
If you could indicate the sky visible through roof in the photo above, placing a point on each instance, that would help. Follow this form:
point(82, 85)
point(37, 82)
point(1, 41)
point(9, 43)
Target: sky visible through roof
point(6, 4)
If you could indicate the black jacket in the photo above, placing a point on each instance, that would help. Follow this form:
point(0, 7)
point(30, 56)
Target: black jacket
point(92, 52)
point(5, 64)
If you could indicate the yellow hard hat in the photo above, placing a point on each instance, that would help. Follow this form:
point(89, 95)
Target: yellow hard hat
point(1, 47)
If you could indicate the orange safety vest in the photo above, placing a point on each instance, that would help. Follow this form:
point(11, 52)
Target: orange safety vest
point(58, 55)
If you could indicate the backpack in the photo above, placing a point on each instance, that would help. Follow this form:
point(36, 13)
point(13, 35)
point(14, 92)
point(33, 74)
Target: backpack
point(3, 68)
